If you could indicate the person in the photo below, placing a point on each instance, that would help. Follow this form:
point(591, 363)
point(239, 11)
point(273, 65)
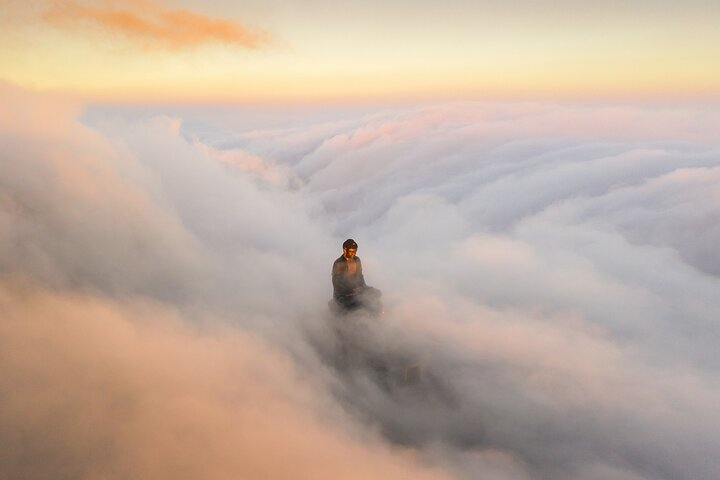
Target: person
point(349, 288)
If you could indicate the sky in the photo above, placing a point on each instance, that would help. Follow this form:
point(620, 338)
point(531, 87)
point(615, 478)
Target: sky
point(346, 51)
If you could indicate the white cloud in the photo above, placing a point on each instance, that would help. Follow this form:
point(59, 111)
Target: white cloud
point(551, 266)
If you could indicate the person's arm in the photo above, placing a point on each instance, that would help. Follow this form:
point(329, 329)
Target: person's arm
point(361, 278)
point(338, 279)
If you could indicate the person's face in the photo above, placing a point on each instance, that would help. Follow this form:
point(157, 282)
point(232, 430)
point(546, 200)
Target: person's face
point(349, 252)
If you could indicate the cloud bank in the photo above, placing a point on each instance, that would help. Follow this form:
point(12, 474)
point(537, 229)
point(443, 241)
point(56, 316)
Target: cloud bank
point(93, 389)
point(550, 267)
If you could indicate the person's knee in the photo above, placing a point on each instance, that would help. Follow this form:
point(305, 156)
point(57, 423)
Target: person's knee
point(373, 292)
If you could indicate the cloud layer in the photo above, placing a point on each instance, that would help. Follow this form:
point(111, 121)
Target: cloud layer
point(549, 267)
point(93, 389)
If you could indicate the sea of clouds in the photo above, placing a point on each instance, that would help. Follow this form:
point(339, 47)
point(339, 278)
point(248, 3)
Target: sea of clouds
point(165, 272)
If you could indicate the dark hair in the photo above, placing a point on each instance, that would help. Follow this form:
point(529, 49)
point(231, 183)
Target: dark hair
point(350, 243)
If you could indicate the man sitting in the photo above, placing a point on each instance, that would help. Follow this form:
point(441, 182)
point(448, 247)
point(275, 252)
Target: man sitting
point(349, 289)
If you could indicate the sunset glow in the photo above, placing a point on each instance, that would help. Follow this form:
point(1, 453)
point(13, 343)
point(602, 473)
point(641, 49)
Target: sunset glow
point(192, 51)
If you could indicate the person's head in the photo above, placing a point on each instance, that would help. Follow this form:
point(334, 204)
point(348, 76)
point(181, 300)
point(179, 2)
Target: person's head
point(349, 248)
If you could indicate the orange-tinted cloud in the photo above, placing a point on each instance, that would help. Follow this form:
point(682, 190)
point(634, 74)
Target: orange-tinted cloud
point(96, 389)
point(154, 26)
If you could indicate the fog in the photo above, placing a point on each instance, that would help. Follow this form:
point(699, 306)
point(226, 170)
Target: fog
point(549, 268)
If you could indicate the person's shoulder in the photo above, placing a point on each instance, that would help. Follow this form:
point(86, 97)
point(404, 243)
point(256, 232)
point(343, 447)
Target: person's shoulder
point(339, 259)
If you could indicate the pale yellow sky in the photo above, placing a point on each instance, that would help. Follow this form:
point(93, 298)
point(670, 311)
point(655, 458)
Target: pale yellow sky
point(314, 50)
